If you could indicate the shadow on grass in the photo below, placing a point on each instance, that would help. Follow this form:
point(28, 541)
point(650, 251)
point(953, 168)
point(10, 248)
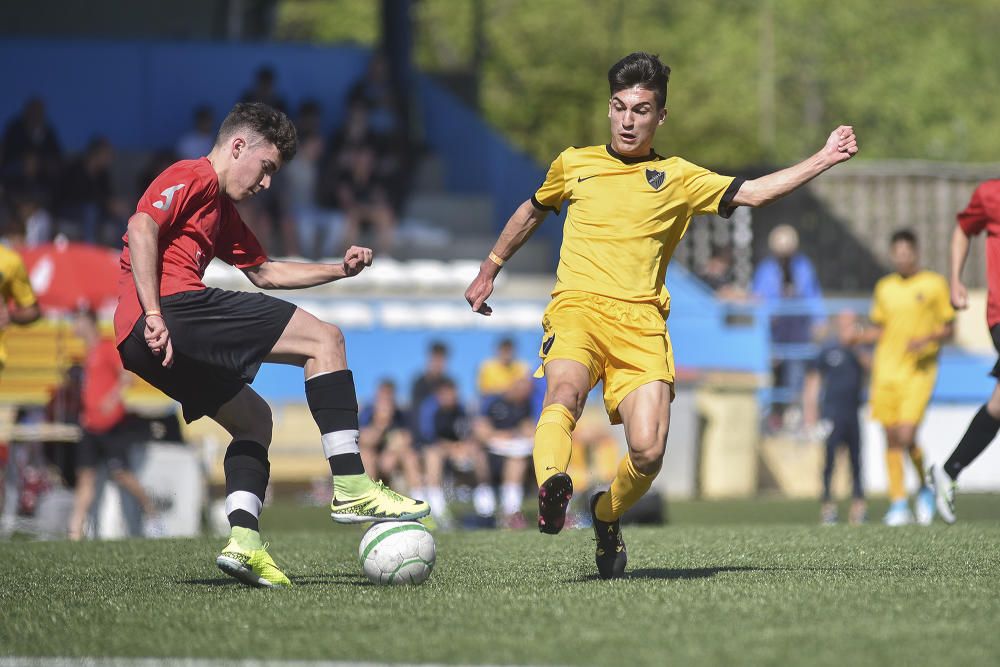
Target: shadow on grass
point(326, 579)
point(705, 572)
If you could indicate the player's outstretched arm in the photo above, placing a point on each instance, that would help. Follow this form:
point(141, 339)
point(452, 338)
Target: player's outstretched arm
point(840, 146)
point(298, 275)
point(959, 253)
point(519, 228)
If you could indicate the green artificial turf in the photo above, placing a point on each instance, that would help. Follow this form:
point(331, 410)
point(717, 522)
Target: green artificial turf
point(723, 584)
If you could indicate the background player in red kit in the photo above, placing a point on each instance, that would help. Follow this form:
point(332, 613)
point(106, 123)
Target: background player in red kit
point(982, 213)
point(202, 346)
point(103, 420)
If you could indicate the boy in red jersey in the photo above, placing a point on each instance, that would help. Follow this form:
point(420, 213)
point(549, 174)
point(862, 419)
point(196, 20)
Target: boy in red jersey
point(103, 420)
point(202, 346)
point(982, 214)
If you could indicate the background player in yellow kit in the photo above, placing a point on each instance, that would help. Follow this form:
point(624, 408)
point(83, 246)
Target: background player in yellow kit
point(912, 314)
point(607, 320)
point(18, 305)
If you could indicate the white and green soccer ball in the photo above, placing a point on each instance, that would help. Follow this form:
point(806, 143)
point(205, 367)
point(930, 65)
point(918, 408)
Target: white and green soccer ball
point(397, 552)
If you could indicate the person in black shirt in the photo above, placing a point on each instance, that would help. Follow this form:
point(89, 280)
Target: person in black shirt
point(386, 441)
point(445, 436)
point(834, 383)
point(508, 430)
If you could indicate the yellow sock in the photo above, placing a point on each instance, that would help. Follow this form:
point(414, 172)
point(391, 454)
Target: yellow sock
point(553, 441)
point(894, 464)
point(917, 456)
point(628, 486)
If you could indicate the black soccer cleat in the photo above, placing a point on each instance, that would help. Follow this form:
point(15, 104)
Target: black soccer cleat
point(611, 556)
point(553, 498)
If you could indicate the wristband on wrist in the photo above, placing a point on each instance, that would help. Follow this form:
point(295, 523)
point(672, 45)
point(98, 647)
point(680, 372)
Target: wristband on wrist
point(496, 259)
point(153, 312)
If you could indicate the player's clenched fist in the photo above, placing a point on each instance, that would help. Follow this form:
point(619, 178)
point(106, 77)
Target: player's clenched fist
point(841, 145)
point(356, 259)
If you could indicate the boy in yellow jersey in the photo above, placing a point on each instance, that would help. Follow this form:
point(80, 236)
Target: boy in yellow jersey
point(912, 314)
point(607, 319)
point(18, 305)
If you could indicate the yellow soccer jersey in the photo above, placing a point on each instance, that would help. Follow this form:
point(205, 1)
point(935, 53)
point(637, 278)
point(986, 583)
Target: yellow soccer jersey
point(496, 377)
point(625, 218)
point(14, 286)
point(908, 308)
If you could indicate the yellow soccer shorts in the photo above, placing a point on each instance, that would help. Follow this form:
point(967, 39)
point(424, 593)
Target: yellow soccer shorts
point(903, 399)
point(624, 344)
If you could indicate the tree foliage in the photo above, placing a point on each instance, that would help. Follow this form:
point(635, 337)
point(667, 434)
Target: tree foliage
point(754, 81)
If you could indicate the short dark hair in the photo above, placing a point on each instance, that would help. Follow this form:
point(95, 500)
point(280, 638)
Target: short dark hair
point(506, 342)
point(904, 235)
point(437, 347)
point(273, 125)
point(641, 69)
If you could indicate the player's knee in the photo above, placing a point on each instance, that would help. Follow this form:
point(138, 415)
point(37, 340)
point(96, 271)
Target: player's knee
point(257, 425)
point(331, 341)
point(570, 396)
point(647, 447)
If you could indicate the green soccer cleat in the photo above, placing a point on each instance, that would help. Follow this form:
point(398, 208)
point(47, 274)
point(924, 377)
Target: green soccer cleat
point(380, 503)
point(253, 567)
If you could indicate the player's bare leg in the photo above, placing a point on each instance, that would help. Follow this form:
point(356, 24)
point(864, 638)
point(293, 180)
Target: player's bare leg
point(645, 413)
point(567, 384)
point(83, 499)
point(318, 347)
point(899, 513)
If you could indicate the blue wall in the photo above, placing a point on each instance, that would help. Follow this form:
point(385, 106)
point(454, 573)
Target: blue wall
point(141, 95)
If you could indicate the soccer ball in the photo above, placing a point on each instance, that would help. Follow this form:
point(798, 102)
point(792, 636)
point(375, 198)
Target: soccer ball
point(397, 552)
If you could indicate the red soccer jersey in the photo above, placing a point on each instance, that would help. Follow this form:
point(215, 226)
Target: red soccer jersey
point(983, 213)
point(102, 408)
point(197, 222)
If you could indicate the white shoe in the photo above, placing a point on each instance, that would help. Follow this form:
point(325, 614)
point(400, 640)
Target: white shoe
point(944, 492)
point(899, 514)
point(924, 505)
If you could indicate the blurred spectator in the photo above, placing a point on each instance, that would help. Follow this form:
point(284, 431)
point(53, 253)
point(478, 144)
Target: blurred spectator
point(445, 437)
point(376, 89)
point(263, 89)
point(154, 166)
point(357, 179)
point(386, 442)
point(198, 141)
point(717, 273)
point(319, 231)
point(497, 374)
point(786, 282)
point(85, 199)
point(835, 381)
point(31, 132)
point(434, 375)
point(30, 224)
point(28, 191)
point(105, 439)
point(309, 119)
point(508, 431)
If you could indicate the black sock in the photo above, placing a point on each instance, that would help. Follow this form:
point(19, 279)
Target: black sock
point(334, 405)
point(979, 435)
point(247, 472)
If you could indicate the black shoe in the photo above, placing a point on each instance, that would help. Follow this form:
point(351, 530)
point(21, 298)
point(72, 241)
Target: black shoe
point(611, 556)
point(553, 498)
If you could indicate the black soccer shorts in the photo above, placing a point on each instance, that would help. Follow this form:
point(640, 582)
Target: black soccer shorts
point(220, 338)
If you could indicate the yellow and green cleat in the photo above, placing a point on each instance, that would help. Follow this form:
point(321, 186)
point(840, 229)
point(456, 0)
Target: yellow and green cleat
point(379, 503)
point(253, 567)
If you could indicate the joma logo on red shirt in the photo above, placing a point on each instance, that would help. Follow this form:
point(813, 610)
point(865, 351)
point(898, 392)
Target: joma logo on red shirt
point(168, 197)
